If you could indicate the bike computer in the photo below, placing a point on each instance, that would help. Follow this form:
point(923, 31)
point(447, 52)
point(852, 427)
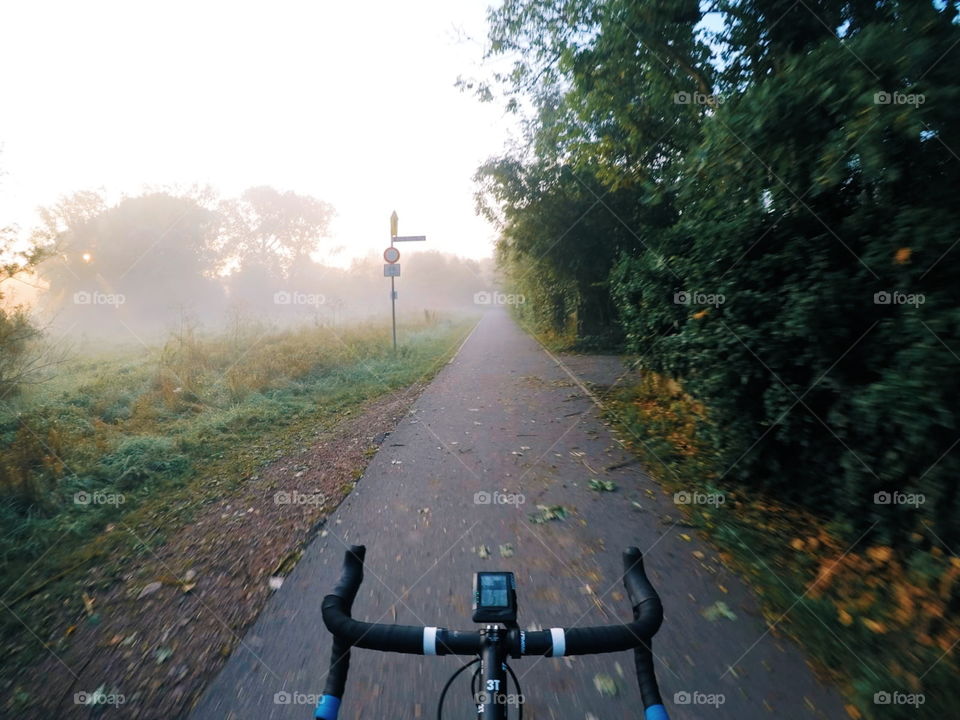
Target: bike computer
point(494, 597)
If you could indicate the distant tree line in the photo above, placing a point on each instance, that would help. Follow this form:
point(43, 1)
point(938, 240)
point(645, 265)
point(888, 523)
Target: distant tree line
point(144, 264)
point(762, 203)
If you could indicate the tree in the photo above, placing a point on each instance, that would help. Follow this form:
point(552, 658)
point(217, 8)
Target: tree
point(133, 267)
point(272, 229)
point(796, 163)
point(22, 358)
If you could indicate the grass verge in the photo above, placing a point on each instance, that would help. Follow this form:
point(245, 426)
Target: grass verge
point(147, 438)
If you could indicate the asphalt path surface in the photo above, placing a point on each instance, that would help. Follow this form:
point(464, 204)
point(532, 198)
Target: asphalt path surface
point(507, 417)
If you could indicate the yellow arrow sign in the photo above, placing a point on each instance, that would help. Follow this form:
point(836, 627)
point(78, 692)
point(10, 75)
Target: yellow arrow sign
point(393, 224)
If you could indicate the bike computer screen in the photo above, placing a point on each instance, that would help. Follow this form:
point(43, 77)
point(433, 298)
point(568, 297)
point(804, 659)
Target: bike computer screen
point(494, 597)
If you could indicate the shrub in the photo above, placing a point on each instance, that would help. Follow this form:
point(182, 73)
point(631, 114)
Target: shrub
point(141, 459)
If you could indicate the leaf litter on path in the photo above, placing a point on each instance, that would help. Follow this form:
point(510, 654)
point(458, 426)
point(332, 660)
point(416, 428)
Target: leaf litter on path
point(718, 610)
point(602, 485)
point(545, 513)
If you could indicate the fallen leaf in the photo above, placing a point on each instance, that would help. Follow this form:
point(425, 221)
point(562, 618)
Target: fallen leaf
point(149, 589)
point(718, 610)
point(902, 256)
point(602, 485)
point(605, 684)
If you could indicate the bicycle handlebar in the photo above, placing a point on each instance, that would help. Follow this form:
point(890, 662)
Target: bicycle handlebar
point(555, 642)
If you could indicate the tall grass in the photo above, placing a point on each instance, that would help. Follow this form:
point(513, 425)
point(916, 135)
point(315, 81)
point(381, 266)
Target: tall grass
point(115, 429)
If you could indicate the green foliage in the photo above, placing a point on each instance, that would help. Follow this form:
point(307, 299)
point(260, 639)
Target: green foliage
point(803, 176)
point(18, 335)
point(142, 458)
point(770, 209)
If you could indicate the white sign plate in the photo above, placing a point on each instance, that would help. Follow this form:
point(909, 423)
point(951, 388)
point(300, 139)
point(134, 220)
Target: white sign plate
point(391, 270)
point(410, 238)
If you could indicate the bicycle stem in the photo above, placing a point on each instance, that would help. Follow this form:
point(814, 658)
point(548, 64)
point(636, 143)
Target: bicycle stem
point(491, 700)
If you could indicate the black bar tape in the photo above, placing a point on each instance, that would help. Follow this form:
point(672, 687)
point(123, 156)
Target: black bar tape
point(372, 636)
point(646, 677)
point(635, 579)
point(339, 668)
point(351, 576)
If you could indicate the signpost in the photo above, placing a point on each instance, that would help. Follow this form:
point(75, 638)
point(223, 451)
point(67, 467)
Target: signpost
point(391, 268)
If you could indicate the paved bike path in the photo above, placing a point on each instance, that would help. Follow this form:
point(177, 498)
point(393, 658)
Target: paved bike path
point(504, 417)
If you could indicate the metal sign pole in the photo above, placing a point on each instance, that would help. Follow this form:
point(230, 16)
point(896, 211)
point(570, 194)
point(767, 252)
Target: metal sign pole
point(393, 291)
point(393, 306)
point(391, 268)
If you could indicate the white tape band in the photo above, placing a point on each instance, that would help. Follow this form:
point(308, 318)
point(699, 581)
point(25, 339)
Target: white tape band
point(430, 641)
point(559, 642)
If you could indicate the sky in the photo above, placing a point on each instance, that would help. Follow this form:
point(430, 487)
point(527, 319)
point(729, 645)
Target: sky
point(351, 102)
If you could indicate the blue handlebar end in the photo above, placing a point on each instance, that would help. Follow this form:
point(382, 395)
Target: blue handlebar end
point(656, 712)
point(328, 707)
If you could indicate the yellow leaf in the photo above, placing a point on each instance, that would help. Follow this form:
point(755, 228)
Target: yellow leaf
point(880, 554)
point(874, 626)
point(796, 544)
point(852, 712)
point(685, 537)
point(902, 256)
point(844, 617)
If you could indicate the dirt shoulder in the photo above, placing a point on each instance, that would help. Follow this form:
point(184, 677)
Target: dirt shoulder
point(159, 633)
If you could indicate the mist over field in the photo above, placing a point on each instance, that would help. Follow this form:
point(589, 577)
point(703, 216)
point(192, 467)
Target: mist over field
point(151, 263)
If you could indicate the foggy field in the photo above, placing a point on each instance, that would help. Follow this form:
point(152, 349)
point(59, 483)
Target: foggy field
point(120, 429)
